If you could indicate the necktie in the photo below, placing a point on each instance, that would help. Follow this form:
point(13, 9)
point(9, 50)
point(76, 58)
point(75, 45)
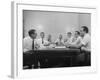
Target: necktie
point(33, 44)
point(42, 41)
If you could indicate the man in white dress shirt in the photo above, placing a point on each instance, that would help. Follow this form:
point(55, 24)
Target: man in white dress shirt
point(29, 44)
point(51, 44)
point(85, 45)
point(86, 40)
point(28, 41)
point(59, 41)
point(49, 39)
point(42, 42)
point(68, 39)
point(76, 39)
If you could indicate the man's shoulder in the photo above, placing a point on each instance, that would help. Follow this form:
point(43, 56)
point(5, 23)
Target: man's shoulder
point(62, 40)
point(27, 38)
point(87, 36)
point(38, 39)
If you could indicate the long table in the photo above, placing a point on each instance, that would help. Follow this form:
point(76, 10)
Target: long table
point(52, 55)
point(56, 53)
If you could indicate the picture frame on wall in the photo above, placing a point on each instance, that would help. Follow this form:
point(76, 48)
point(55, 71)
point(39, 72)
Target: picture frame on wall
point(50, 40)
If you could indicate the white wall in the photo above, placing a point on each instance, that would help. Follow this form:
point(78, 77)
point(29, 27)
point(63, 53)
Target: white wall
point(54, 23)
point(85, 20)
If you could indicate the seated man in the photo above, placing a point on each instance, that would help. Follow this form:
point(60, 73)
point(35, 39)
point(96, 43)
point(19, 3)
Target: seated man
point(51, 44)
point(59, 41)
point(86, 42)
point(29, 44)
point(76, 39)
point(28, 41)
point(49, 38)
point(85, 45)
point(68, 39)
point(42, 42)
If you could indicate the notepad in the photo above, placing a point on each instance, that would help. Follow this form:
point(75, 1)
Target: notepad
point(60, 47)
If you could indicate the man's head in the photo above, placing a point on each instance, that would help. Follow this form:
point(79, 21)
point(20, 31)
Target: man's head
point(60, 36)
point(69, 34)
point(77, 33)
point(49, 37)
point(42, 34)
point(84, 30)
point(32, 33)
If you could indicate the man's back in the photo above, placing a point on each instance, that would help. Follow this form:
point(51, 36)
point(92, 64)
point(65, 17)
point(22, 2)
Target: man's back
point(27, 43)
point(86, 41)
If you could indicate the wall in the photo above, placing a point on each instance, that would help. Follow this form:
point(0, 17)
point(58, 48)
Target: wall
point(85, 20)
point(53, 23)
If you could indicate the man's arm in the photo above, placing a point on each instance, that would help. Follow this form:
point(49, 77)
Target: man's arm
point(77, 43)
point(24, 45)
point(85, 49)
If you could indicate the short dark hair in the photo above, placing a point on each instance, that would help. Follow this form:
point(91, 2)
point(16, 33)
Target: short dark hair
point(85, 28)
point(42, 33)
point(69, 33)
point(78, 32)
point(32, 31)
